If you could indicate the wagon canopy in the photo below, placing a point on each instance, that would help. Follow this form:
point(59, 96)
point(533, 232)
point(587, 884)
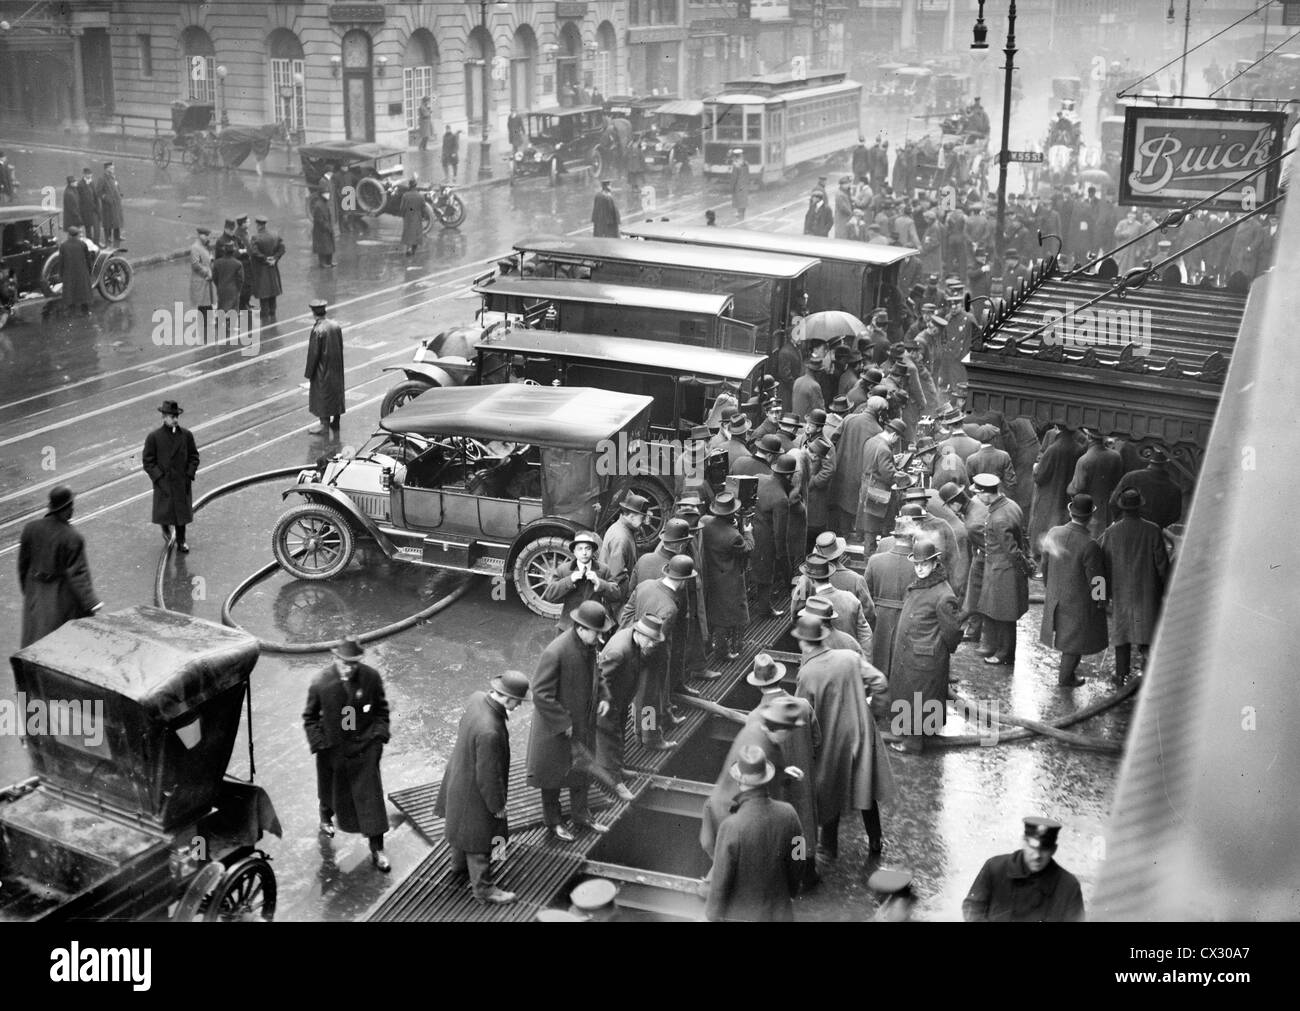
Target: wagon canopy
point(558, 417)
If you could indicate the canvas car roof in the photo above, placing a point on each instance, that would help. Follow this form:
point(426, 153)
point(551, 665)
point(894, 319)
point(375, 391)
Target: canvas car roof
point(697, 302)
point(668, 255)
point(657, 355)
point(815, 246)
point(563, 417)
point(23, 212)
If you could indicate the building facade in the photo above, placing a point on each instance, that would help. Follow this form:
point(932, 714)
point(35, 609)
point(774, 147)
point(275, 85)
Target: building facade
point(327, 70)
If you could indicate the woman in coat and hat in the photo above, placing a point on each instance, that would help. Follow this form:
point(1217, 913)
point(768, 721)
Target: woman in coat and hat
point(928, 631)
point(580, 580)
point(52, 571)
point(346, 721)
point(171, 460)
point(475, 785)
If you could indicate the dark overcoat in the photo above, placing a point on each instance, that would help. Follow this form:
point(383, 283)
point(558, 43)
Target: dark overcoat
point(888, 575)
point(1162, 500)
point(620, 666)
point(71, 206)
point(1024, 450)
point(877, 477)
point(347, 728)
point(1137, 567)
point(853, 770)
point(54, 577)
point(780, 528)
point(617, 555)
point(263, 247)
point(1006, 892)
point(171, 460)
point(228, 279)
point(821, 471)
point(88, 203)
point(110, 201)
point(929, 629)
point(755, 875)
point(1097, 473)
point(563, 591)
point(1004, 585)
point(325, 369)
point(75, 260)
point(1052, 474)
point(1074, 602)
point(564, 701)
point(322, 227)
point(725, 552)
point(412, 208)
point(474, 785)
point(718, 805)
point(604, 216)
point(846, 485)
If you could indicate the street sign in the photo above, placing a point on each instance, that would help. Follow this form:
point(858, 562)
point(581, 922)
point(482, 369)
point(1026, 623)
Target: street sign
point(1027, 156)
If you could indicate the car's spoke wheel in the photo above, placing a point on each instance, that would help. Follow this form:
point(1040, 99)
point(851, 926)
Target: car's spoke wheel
point(115, 281)
point(454, 216)
point(535, 569)
point(403, 393)
point(248, 892)
point(660, 508)
point(52, 276)
point(313, 541)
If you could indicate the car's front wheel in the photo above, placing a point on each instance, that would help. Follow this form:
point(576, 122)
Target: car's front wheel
point(535, 569)
point(313, 541)
point(403, 393)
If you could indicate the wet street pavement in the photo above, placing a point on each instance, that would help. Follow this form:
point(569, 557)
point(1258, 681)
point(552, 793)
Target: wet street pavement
point(78, 396)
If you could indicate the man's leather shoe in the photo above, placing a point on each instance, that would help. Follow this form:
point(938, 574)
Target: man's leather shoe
point(316, 430)
point(327, 829)
point(775, 612)
point(664, 745)
point(184, 549)
point(993, 658)
point(623, 792)
point(707, 675)
point(687, 690)
point(985, 652)
point(561, 833)
point(380, 861)
point(1071, 684)
point(675, 719)
point(593, 826)
point(499, 897)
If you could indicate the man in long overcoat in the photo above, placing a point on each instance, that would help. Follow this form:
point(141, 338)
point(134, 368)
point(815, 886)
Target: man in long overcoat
point(780, 534)
point(853, 770)
point(322, 226)
point(739, 183)
point(604, 213)
point(846, 484)
point(75, 260)
point(928, 630)
point(1003, 591)
point(53, 573)
point(580, 580)
point(245, 256)
point(888, 574)
point(1052, 473)
point(662, 598)
point(755, 875)
point(265, 250)
point(621, 666)
point(474, 788)
point(88, 204)
point(71, 204)
point(726, 549)
point(1074, 605)
point(227, 278)
point(325, 398)
point(562, 742)
point(876, 495)
point(201, 274)
point(346, 720)
point(412, 208)
point(171, 460)
point(1097, 473)
point(1162, 500)
point(618, 553)
point(1137, 567)
point(110, 205)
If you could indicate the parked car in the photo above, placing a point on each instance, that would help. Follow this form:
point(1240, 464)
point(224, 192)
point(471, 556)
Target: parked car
point(560, 140)
point(378, 178)
point(507, 475)
point(640, 112)
point(677, 134)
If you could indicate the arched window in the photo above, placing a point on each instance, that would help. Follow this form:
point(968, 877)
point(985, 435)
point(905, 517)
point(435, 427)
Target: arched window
point(480, 54)
point(567, 64)
point(606, 59)
point(200, 66)
point(419, 75)
point(288, 80)
point(523, 63)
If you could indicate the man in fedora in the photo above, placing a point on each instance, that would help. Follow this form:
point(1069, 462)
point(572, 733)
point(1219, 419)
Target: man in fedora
point(1052, 472)
point(325, 398)
point(1003, 579)
point(727, 544)
point(928, 631)
point(75, 261)
point(815, 580)
point(1097, 474)
point(852, 771)
point(1137, 570)
point(1026, 886)
point(474, 788)
point(1162, 500)
point(734, 429)
point(824, 611)
point(171, 460)
point(764, 450)
point(621, 666)
point(563, 736)
point(806, 394)
point(618, 553)
point(755, 875)
point(876, 499)
point(1075, 597)
point(674, 539)
point(53, 573)
point(780, 535)
point(581, 580)
point(661, 598)
point(346, 720)
point(888, 574)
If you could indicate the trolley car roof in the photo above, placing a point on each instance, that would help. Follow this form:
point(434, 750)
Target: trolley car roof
point(644, 353)
point(563, 417)
point(663, 254)
point(814, 246)
point(695, 302)
point(775, 98)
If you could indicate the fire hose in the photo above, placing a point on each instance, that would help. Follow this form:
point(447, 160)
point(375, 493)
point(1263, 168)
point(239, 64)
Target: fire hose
point(272, 646)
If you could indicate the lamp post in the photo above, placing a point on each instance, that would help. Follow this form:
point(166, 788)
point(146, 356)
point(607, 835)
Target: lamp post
point(980, 42)
point(1171, 16)
point(221, 94)
point(485, 143)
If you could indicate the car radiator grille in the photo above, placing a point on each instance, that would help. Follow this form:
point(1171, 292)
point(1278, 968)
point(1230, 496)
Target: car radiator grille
point(374, 506)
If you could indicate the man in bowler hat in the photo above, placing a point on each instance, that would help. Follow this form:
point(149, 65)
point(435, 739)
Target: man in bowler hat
point(53, 572)
point(472, 798)
point(325, 371)
point(1026, 886)
point(171, 460)
point(346, 720)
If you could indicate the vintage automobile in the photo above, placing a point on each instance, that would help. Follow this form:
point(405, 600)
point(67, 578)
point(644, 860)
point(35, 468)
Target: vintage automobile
point(130, 813)
point(507, 474)
point(560, 140)
point(638, 111)
point(377, 177)
point(29, 253)
point(952, 92)
point(677, 134)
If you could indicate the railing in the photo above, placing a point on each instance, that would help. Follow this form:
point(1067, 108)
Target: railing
point(106, 119)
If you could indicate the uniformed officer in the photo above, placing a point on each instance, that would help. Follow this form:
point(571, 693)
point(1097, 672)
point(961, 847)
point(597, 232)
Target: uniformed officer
point(593, 901)
point(1027, 886)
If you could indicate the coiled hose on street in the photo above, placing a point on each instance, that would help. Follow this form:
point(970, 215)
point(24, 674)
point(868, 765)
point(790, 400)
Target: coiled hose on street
point(272, 646)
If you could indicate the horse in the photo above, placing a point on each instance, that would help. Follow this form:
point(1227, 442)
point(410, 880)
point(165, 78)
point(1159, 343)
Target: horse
point(238, 142)
point(615, 141)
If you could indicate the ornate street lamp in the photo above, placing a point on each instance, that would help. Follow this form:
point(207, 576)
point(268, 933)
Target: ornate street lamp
point(979, 43)
point(485, 143)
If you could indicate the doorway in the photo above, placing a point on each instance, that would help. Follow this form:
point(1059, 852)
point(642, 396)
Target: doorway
point(358, 88)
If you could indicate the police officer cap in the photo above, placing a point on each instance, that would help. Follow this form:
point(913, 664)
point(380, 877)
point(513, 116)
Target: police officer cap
point(986, 482)
point(260, 219)
point(595, 893)
point(1041, 832)
point(891, 882)
point(318, 306)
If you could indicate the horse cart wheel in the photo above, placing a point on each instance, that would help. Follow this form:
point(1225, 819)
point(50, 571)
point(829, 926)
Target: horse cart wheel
point(597, 164)
point(246, 892)
point(162, 151)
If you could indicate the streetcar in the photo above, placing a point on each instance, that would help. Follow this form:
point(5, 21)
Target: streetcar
point(780, 122)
